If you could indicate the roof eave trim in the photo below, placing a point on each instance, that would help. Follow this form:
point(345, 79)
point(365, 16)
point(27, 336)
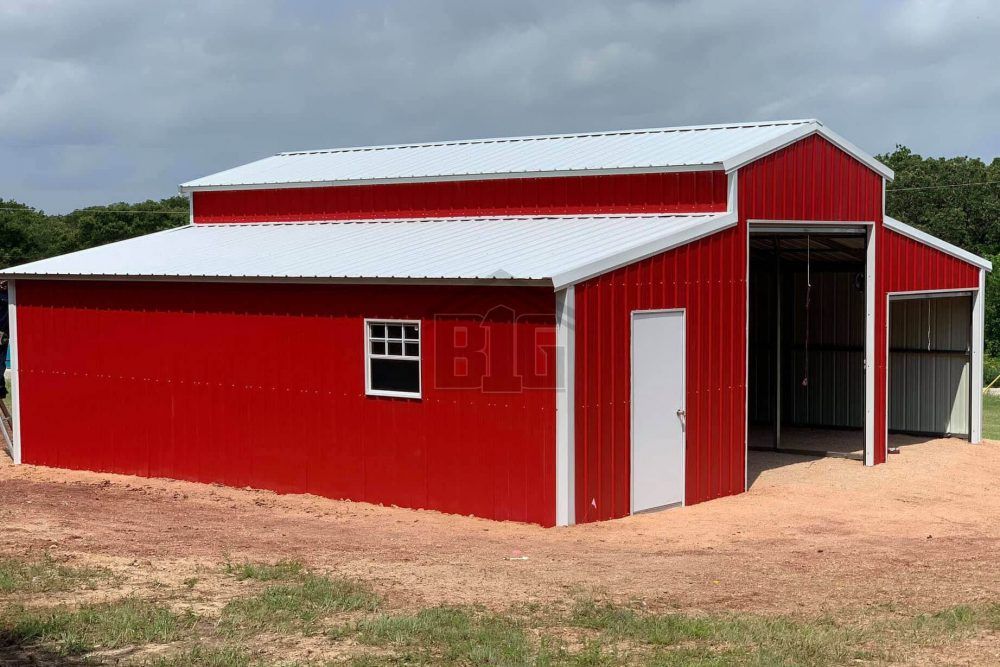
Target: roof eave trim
point(643, 251)
point(7, 274)
point(935, 242)
point(185, 188)
point(801, 132)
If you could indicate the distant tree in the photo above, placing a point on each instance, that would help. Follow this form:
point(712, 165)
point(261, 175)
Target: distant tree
point(98, 225)
point(956, 199)
point(27, 234)
point(935, 195)
point(22, 232)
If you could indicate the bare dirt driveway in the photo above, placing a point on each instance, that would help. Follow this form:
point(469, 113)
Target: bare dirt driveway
point(811, 536)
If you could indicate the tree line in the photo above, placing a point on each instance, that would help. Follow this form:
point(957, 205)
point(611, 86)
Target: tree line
point(956, 199)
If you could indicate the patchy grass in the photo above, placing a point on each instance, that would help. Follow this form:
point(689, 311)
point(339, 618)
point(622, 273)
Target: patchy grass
point(127, 622)
point(206, 656)
point(46, 576)
point(450, 634)
point(285, 602)
point(955, 622)
point(733, 638)
point(991, 417)
point(296, 606)
point(283, 570)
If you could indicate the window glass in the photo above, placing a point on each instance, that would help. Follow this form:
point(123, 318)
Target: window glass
point(394, 358)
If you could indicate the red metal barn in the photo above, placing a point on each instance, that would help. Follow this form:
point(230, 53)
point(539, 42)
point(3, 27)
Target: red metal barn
point(555, 329)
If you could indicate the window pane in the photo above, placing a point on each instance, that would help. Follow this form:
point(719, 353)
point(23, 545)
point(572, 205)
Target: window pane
point(412, 349)
point(395, 331)
point(410, 332)
point(377, 331)
point(395, 375)
point(396, 349)
point(378, 347)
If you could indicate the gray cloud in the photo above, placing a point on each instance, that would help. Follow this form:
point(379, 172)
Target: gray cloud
point(121, 100)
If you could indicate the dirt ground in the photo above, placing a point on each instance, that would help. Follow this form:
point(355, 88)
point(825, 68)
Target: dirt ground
point(811, 536)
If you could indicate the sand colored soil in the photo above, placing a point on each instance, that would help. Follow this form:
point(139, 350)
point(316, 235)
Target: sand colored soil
point(811, 536)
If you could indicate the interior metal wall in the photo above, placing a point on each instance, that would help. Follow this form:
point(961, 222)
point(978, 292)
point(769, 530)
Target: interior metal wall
point(834, 394)
point(929, 365)
point(829, 390)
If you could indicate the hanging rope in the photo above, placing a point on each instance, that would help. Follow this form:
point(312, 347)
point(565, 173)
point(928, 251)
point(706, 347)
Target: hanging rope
point(805, 378)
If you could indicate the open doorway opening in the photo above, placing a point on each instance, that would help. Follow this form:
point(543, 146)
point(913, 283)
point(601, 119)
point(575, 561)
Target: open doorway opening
point(930, 360)
point(806, 392)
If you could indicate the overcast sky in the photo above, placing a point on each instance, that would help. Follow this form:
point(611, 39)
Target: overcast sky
point(119, 100)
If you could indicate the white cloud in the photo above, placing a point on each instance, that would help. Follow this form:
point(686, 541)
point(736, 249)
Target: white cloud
point(113, 99)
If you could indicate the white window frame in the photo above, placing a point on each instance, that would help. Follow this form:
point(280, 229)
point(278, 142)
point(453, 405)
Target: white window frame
point(369, 356)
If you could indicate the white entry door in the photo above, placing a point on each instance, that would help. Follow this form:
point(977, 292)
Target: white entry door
point(658, 362)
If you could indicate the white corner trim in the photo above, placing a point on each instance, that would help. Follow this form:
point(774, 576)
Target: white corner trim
point(870, 360)
point(642, 251)
point(978, 334)
point(935, 242)
point(565, 406)
point(15, 367)
point(801, 132)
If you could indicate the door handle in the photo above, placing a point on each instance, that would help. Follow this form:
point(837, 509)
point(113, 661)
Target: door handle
point(682, 413)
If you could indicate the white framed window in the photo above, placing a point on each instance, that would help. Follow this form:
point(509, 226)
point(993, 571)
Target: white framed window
point(392, 358)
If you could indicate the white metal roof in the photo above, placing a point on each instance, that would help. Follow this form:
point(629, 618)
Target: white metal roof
point(935, 242)
point(559, 250)
point(627, 151)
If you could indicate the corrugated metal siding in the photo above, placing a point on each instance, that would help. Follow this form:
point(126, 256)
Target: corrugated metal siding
point(480, 248)
point(810, 180)
point(929, 344)
point(708, 279)
point(626, 149)
point(835, 392)
point(907, 265)
point(263, 385)
point(814, 180)
point(702, 191)
point(834, 395)
point(763, 332)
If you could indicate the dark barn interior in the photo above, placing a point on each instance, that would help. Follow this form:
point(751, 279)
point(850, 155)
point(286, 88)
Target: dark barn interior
point(806, 389)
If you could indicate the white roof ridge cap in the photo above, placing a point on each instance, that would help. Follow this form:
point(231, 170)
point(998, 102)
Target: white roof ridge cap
point(546, 137)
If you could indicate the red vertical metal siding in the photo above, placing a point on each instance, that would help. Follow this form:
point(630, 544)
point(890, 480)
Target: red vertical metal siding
point(708, 279)
point(906, 265)
point(814, 180)
point(810, 180)
point(263, 385)
point(679, 192)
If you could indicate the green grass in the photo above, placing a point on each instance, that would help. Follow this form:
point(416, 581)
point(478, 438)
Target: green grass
point(450, 635)
point(126, 622)
point(206, 656)
point(296, 606)
point(46, 575)
point(283, 602)
point(283, 570)
point(991, 417)
point(737, 638)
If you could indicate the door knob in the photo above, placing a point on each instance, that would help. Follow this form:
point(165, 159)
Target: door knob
point(681, 412)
